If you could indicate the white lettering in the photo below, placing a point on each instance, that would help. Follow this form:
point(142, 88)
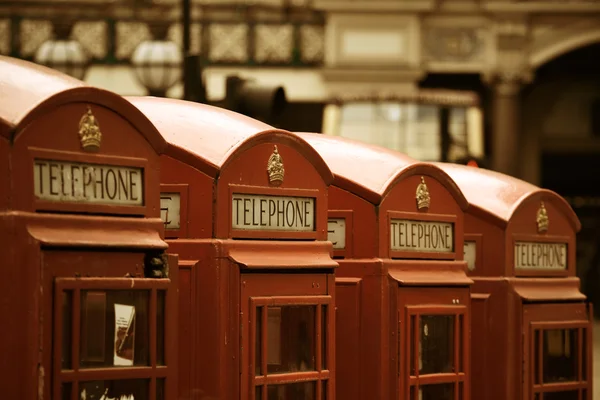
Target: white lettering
point(279, 213)
point(336, 232)
point(470, 254)
point(407, 235)
point(170, 210)
point(534, 255)
point(88, 183)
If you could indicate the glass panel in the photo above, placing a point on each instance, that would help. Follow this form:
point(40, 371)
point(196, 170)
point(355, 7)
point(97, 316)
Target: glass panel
point(537, 396)
point(160, 327)
point(67, 307)
point(560, 355)
point(160, 389)
point(292, 391)
point(412, 393)
point(130, 389)
point(412, 344)
point(258, 392)
point(114, 328)
point(436, 352)
point(571, 395)
point(290, 339)
point(324, 338)
point(444, 391)
point(584, 358)
point(65, 391)
point(258, 341)
point(536, 357)
point(461, 334)
point(324, 386)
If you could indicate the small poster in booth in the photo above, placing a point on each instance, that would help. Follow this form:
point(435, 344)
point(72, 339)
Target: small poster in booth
point(124, 335)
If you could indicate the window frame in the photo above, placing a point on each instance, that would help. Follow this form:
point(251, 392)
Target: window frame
point(583, 387)
point(321, 375)
point(74, 375)
point(460, 344)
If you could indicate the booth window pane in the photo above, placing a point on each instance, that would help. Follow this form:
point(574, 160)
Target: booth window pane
point(460, 343)
point(114, 328)
point(292, 391)
point(536, 357)
point(67, 303)
point(258, 392)
point(130, 389)
point(584, 359)
point(258, 341)
point(324, 338)
point(560, 355)
point(570, 395)
point(160, 327)
point(65, 391)
point(436, 344)
point(444, 391)
point(412, 344)
point(160, 389)
point(290, 339)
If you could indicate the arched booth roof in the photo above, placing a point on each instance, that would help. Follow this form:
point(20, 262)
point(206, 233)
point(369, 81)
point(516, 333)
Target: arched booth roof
point(370, 171)
point(208, 138)
point(499, 196)
point(28, 90)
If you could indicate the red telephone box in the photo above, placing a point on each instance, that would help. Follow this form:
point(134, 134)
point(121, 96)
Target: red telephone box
point(245, 207)
point(402, 293)
point(87, 301)
point(531, 330)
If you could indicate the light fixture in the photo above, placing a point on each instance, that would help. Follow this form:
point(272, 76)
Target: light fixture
point(63, 53)
point(158, 62)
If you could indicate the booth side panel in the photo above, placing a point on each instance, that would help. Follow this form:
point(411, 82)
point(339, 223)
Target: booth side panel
point(185, 340)
point(348, 305)
point(364, 223)
point(489, 340)
point(375, 347)
point(200, 189)
point(492, 262)
point(19, 311)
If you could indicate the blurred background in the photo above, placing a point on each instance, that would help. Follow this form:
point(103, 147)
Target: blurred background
point(511, 85)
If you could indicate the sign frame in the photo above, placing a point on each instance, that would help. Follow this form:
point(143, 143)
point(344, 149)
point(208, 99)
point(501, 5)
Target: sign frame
point(271, 191)
point(348, 216)
point(91, 208)
point(478, 239)
point(424, 217)
point(543, 238)
point(182, 189)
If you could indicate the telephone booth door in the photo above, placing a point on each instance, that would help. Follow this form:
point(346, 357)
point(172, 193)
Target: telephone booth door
point(287, 331)
point(557, 356)
point(111, 335)
point(434, 344)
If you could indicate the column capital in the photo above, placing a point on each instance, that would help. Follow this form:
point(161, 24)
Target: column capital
point(507, 82)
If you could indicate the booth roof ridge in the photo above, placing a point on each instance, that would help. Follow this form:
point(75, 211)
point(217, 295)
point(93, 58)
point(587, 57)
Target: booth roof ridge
point(371, 171)
point(499, 195)
point(28, 90)
point(208, 137)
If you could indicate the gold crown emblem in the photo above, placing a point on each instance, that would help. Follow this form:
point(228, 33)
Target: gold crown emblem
point(542, 219)
point(89, 131)
point(275, 168)
point(423, 198)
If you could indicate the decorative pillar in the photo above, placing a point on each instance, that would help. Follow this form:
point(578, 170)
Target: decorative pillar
point(506, 125)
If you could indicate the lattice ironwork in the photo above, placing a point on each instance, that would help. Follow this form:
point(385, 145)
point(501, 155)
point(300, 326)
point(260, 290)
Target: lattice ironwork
point(273, 43)
point(222, 35)
point(228, 43)
point(176, 35)
point(129, 36)
point(5, 36)
point(312, 43)
point(33, 32)
point(92, 35)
